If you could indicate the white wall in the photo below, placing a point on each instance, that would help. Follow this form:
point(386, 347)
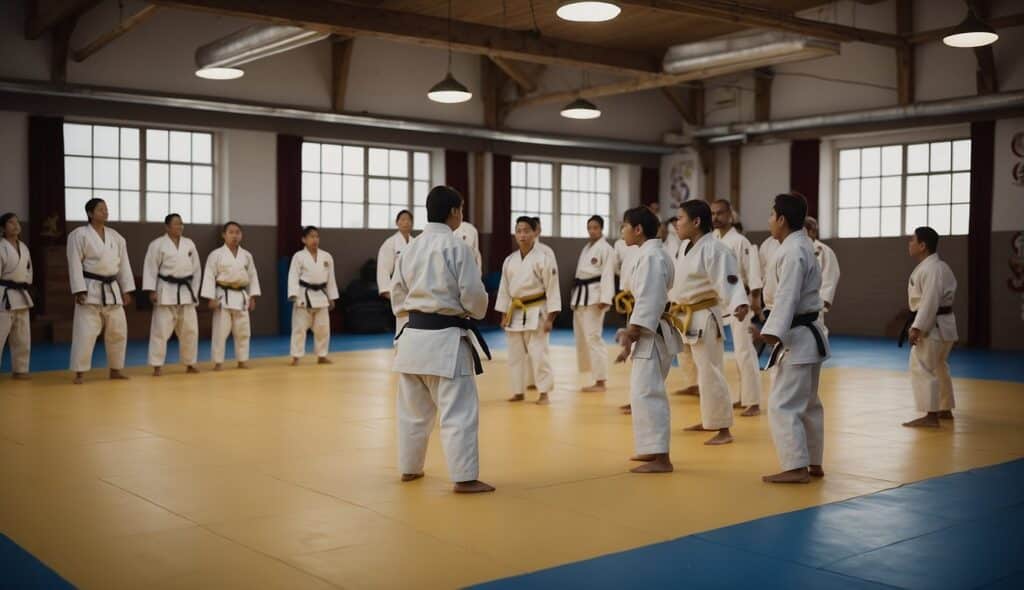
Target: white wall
point(764, 173)
point(14, 163)
point(248, 171)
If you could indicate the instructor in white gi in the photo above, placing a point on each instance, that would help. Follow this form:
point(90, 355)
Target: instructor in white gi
point(15, 299)
point(592, 292)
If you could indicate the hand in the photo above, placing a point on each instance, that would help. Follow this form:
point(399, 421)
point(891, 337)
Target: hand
point(152, 297)
point(828, 306)
point(602, 306)
point(386, 295)
point(915, 336)
point(755, 305)
point(506, 320)
point(741, 312)
point(632, 333)
point(213, 304)
point(759, 338)
point(331, 305)
point(252, 303)
point(80, 298)
point(126, 298)
point(549, 324)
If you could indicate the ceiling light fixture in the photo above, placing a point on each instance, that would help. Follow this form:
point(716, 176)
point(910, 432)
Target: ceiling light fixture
point(588, 12)
point(449, 90)
point(581, 109)
point(220, 73)
point(971, 32)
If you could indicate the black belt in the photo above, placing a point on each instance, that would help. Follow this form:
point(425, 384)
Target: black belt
point(766, 313)
point(905, 331)
point(579, 285)
point(322, 287)
point(180, 282)
point(227, 288)
point(107, 281)
point(806, 320)
point(419, 320)
point(8, 285)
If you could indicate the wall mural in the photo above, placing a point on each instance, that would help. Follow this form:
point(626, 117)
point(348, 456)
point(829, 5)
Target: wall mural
point(680, 179)
point(1017, 147)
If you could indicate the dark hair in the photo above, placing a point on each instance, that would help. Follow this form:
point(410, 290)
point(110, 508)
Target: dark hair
point(728, 205)
point(700, 210)
point(229, 224)
point(169, 218)
point(4, 219)
point(929, 237)
point(670, 221)
point(401, 213)
point(793, 207)
point(739, 226)
point(596, 219)
point(643, 217)
point(91, 205)
point(533, 222)
point(440, 202)
point(309, 229)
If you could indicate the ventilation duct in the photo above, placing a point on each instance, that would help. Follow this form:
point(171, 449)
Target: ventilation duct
point(752, 51)
point(253, 43)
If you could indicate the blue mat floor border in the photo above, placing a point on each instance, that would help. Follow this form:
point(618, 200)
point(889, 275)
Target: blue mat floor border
point(914, 536)
point(20, 570)
point(847, 351)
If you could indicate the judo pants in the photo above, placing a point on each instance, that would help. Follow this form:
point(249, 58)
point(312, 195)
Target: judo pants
point(317, 319)
point(715, 401)
point(745, 353)
point(89, 321)
point(929, 375)
point(591, 354)
point(796, 415)
point(652, 422)
point(15, 329)
point(174, 319)
point(231, 322)
point(529, 346)
point(420, 399)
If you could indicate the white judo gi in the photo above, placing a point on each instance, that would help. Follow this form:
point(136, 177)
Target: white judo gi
point(175, 274)
point(625, 262)
point(387, 256)
point(528, 292)
point(468, 233)
point(744, 351)
point(437, 274)
point(594, 284)
point(829, 265)
point(231, 279)
point(707, 281)
point(652, 354)
point(930, 291)
point(795, 413)
point(311, 288)
point(103, 310)
point(15, 303)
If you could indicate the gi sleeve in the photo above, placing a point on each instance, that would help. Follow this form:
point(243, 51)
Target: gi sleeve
point(125, 278)
point(928, 305)
point(504, 297)
point(472, 294)
point(254, 279)
point(209, 289)
point(552, 290)
point(646, 282)
point(723, 269)
point(385, 266)
point(197, 270)
point(787, 297)
point(151, 266)
point(608, 277)
point(293, 276)
point(75, 270)
point(829, 275)
point(752, 262)
point(397, 287)
point(332, 282)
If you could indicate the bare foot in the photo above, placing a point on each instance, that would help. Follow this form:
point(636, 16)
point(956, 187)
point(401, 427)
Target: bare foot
point(815, 471)
point(595, 388)
point(659, 464)
point(626, 409)
point(737, 405)
point(643, 458)
point(723, 437)
point(691, 390)
point(791, 476)
point(696, 428)
point(157, 371)
point(946, 415)
point(531, 388)
point(191, 369)
point(324, 361)
point(79, 379)
point(243, 365)
point(472, 487)
point(931, 420)
point(21, 377)
point(218, 367)
point(517, 398)
point(543, 400)
point(754, 410)
point(117, 375)
point(295, 361)
point(411, 476)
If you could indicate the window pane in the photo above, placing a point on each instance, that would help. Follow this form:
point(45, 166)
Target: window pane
point(181, 146)
point(330, 158)
point(130, 174)
point(400, 193)
point(566, 229)
point(202, 148)
point(311, 160)
point(870, 192)
point(849, 163)
point(310, 186)
point(603, 206)
point(398, 164)
point(105, 173)
point(890, 221)
point(420, 191)
point(604, 180)
point(330, 214)
point(352, 189)
point(849, 193)
point(532, 174)
point(871, 162)
point(181, 179)
point(532, 200)
point(938, 218)
point(130, 206)
point(545, 201)
point(961, 220)
point(962, 187)
point(870, 222)
point(848, 223)
point(352, 159)
point(586, 178)
point(77, 139)
point(518, 199)
point(545, 176)
point(393, 211)
point(156, 146)
point(941, 154)
point(570, 202)
point(915, 218)
point(113, 201)
point(518, 174)
point(378, 218)
point(378, 191)
point(202, 179)
point(156, 205)
point(352, 215)
point(938, 189)
point(74, 203)
point(419, 217)
point(157, 179)
point(892, 160)
point(105, 141)
point(570, 177)
point(202, 209)
point(378, 162)
point(962, 154)
point(545, 224)
point(330, 190)
point(311, 213)
point(917, 158)
point(891, 186)
point(421, 166)
point(77, 171)
point(917, 190)
point(182, 205)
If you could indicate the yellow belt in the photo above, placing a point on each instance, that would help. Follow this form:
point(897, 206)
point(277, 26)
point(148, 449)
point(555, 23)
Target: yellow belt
point(624, 302)
point(687, 309)
point(523, 303)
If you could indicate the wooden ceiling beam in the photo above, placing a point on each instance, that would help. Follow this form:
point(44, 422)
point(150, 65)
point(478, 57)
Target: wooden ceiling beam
point(905, 55)
point(60, 48)
point(680, 105)
point(763, 78)
point(110, 36)
point(524, 81)
point(406, 27)
point(341, 61)
point(44, 15)
point(987, 78)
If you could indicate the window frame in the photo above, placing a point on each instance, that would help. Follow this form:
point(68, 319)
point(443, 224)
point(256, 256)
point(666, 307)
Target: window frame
point(555, 231)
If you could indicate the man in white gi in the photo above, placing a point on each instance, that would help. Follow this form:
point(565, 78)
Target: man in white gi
point(15, 297)
point(707, 282)
point(387, 256)
point(312, 290)
point(795, 331)
point(437, 283)
point(530, 298)
point(744, 352)
point(231, 285)
point(829, 265)
point(101, 281)
point(653, 341)
point(592, 292)
point(530, 379)
point(468, 233)
point(172, 273)
point(931, 329)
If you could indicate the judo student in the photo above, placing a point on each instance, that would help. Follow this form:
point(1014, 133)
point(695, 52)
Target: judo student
point(172, 273)
point(592, 292)
point(795, 330)
point(231, 285)
point(102, 282)
point(531, 381)
point(625, 256)
point(707, 283)
point(744, 353)
point(652, 340)
point(437, 283)
point(312, 290)
point(468, 233)
point(829, 265)
point(388, 254)
point(15, 296)
point(530, 298)
point(931, 330)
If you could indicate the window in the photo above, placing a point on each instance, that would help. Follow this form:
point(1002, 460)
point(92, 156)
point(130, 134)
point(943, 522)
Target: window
point(586, 191)
point(357, 186)
point(106, 161)
point(532, 193)
point(568, 193)
point(886, 190)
